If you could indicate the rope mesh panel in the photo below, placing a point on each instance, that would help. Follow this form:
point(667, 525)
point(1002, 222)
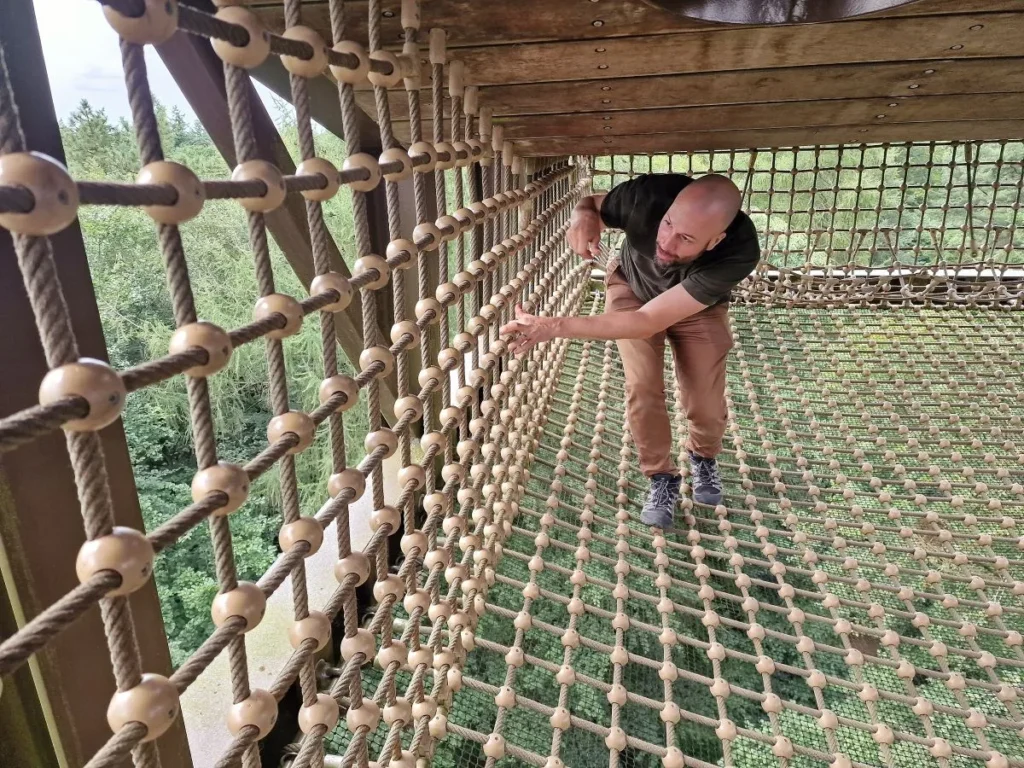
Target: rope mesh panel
point(858, 600)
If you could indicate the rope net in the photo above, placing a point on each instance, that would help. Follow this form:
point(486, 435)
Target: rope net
point(857, 602)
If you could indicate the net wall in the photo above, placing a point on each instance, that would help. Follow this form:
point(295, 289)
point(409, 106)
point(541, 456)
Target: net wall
point(857, 601)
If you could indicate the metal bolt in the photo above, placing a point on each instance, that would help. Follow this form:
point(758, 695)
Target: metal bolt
point(976, 27)
point(913, 86)
point(606, 101)
point(956, 47)
point(606, 87)
point(893, 104)
point(879, 117)
point(602, 66)
point(388, 14)
point(600, 50)
point(929, 71)
point(597, 23)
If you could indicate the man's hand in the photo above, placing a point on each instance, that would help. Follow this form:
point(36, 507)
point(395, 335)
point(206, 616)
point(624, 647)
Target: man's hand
point(528, 330)
point(584, 234)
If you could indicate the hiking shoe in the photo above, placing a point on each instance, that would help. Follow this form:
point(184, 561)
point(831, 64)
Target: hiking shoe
point(705, 481)
point(661, 501)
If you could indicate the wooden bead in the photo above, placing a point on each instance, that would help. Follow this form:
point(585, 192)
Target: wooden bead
point(286, 307)
point(153, 702)
point(246, 600)
point(449, 227)
point(317, 63)
point(305, 529)
point(94, 381)
point(414, 474)
point(377, 354)
point(259, 711)
point(369, 164)
point(362, 642)
point(318, 166)
point(427, 236)
point(408, 403)
point(159, 20)
point(54, 191)
point(448, 162)
point(261, 170)
point(222, 477)
point(207, 336)
point(392, 585)
point(426, 306)
point(379, 78)
point(367, 716)
point(396, 155)
point(351, 75)
point(347, 478)
point(494, 746)
point(446, 292)
point(316, 626)
point(356, 563)
point(332, 281)
point(396, 247)
point(253, 53)
point(386, 515)
point(405, 328)
point(371, 262)
point(423, 149)
point(430, 374)
point(125, 551)
point(325, 712)
point(464, 154)
point(191, 193)
point(292, 422)
point(339, 384)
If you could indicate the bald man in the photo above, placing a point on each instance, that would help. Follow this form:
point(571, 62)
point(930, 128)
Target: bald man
point(687, 245)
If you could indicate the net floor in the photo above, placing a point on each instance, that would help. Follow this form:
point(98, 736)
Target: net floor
point(858, 600)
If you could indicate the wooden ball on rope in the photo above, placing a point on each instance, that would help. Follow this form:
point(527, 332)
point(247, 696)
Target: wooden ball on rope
point(365, 162)
point(423, 149)
point(261, 170)
point(351, 75)
point(392, 156)
point(315, 65)
point(340, 383)
point(125, 551)
point(155, 25)
point(285, 306)
point(255, 51)
point(371, 262)
point(405, 248)
point(332, 281)
point(191, 195)
point(381, 79)
point(92, 380)
point(246, 601)
point(297, 423)
point(324, 713)
point(54, 193)
point(153, 702)
point(259, 711)
point(382, 437)
point(446, 157)
point(305, 529)
point(211, 338)
point(377, 354)
point(347, 479)
point(316, 626)
point(229, 479)
point(314, 166)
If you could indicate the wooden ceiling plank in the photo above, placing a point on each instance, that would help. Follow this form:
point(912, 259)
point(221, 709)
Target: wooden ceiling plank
point(472, 22)
point(844, 81)
point(983, 130)
point(881, 111)
point(729, 49)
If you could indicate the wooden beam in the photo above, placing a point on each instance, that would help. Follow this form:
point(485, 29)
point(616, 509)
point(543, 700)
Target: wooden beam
point(471, 22)
point(725, 48)
point(40, 523)
point(981, 130)
point(879, 111)
point(843, 81)
point(200, 75)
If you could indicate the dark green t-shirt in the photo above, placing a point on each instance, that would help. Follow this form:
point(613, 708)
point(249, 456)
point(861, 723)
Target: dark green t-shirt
point(637, 207)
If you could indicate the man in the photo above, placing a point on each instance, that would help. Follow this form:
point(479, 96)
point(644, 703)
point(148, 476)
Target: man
point(687, 245)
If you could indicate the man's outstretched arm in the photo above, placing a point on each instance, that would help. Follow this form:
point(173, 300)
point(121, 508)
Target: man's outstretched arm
point(674, 305)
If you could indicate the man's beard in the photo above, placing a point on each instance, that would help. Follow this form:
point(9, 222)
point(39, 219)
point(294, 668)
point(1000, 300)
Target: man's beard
point(673, 260)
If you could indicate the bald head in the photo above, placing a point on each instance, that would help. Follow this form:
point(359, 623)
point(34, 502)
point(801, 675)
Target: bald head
point(697, 219)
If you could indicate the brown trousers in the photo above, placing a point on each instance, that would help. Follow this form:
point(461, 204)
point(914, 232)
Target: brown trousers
point(700, 346)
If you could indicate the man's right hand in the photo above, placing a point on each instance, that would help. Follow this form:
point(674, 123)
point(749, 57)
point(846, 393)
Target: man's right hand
point(584, 234)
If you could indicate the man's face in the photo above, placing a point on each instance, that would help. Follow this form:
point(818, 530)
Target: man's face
point(685, 232)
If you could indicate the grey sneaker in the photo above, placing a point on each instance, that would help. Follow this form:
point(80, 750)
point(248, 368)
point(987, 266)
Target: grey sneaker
point(661, 501)
point(705, 480)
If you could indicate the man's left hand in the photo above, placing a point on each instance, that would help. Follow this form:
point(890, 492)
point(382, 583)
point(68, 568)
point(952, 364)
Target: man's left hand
point(528, 330)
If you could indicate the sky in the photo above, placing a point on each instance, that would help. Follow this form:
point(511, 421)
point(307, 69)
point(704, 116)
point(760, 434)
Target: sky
point(83, 61)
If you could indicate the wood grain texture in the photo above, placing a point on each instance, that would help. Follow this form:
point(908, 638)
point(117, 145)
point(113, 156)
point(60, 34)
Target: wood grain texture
point(985, 130)
point(880, 111)
point(726, 49)
point(475, 22)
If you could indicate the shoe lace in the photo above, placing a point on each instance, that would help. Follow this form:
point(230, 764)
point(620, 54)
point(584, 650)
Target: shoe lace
point(706, 473)
point(664, 492)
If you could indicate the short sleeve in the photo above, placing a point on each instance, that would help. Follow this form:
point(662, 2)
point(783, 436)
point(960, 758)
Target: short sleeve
point(711, 283)
point(619, 204)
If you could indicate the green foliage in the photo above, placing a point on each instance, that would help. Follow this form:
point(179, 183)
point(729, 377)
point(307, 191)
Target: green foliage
point(135, 307)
